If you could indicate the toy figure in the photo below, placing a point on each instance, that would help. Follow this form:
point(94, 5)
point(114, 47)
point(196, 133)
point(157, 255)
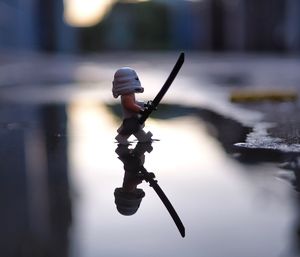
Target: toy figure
point(125, 84)
point(128, 197)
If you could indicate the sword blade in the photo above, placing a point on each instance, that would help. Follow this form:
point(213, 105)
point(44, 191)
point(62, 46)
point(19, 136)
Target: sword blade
point(169, 80)
point(165, 87)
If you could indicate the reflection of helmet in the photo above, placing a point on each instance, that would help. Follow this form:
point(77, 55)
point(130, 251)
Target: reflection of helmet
point(126, 81)
point(127, 203)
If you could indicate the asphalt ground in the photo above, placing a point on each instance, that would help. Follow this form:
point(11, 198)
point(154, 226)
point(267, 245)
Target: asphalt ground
point(34, 75)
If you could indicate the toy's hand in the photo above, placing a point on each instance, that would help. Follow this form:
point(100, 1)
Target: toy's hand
point(149, 105)
point(141, 112)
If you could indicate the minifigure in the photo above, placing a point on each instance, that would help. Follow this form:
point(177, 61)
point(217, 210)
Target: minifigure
point(125, 84)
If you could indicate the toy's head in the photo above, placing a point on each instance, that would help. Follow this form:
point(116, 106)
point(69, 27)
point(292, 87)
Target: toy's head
point(128, 203)
point(126, 81)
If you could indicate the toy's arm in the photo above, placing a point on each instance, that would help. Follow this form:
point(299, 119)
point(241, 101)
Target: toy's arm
point(128, 101)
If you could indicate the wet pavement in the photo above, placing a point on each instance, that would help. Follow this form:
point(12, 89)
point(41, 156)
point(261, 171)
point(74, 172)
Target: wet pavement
point(60, 165)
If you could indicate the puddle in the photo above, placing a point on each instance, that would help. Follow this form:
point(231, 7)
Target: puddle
point(220, 201)
point(60, 170)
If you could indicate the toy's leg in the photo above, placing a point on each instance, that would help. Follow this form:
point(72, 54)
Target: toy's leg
point(142, 136)
point(122, 139)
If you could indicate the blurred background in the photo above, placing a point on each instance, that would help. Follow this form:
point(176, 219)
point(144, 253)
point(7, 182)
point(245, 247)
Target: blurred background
point(230, 169)
point(77, 26)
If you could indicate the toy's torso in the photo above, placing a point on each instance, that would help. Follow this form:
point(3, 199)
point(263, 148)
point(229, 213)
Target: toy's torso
point(127, 113)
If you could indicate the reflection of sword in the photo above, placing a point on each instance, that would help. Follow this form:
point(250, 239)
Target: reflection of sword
point(149, 177)
point(163, 90)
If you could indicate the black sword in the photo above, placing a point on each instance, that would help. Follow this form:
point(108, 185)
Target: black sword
point(163, 90)
point(149, 177)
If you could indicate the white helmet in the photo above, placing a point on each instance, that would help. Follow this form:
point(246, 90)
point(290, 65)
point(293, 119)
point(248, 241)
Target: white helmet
point(126, 81)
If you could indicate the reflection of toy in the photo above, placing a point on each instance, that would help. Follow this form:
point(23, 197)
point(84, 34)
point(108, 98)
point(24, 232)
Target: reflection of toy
point(126, 83)
point(128, 197)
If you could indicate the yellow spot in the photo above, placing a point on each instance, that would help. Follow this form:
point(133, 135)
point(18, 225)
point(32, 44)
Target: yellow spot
point(263, 95)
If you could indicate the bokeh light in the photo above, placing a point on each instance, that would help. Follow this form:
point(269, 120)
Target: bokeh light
point(86, 13)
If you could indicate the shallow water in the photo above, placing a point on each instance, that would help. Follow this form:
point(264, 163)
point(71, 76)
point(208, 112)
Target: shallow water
point(58, 181)
point(228, 209)
point(59, 170)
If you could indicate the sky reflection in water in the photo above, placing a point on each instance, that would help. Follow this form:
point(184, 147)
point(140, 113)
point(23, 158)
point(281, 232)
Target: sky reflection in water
point(228, 209)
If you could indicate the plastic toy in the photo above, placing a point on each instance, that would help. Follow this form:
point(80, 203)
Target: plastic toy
point(126, 84)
